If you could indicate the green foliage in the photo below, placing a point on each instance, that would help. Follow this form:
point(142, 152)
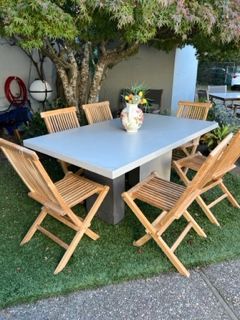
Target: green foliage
point(35, 128)
point(213, 138)
point(32, 22)
point(55, 104)
point(138, 87)
point(141, 21)
point(136, 94)
point(225, 116)
point(228, 122)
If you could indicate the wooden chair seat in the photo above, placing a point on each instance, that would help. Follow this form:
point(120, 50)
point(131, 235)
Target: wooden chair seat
point(56, 199)
point(230, 154)
point(159, 193)
point(173, 200)
point(75, 189)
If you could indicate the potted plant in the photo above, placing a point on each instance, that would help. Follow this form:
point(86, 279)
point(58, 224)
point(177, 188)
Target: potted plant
point(211, 139)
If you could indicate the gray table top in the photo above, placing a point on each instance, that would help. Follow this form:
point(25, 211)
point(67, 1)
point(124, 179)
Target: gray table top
point(107, 149)
point(225, 95)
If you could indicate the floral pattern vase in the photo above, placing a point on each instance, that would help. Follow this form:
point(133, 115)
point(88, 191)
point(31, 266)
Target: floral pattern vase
point(132, 117)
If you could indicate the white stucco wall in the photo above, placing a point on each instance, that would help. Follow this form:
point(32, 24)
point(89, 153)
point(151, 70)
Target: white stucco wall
point(152, 67)
point(174, 72)
point(184, 76)
point(14, 62)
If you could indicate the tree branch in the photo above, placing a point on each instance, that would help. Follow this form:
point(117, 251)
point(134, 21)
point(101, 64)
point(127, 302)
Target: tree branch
point(117, 55)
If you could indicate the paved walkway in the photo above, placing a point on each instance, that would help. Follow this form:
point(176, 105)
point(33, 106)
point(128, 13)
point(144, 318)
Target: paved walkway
point(210, 293)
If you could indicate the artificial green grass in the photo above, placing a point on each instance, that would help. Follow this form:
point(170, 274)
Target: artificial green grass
point(26, 272)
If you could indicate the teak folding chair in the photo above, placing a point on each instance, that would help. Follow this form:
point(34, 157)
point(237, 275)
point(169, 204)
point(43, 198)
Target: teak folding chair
point(60, 120)
point(173, 199)
point(57, 198)
point(191, 110)
point(97, 112)
point(225, 164)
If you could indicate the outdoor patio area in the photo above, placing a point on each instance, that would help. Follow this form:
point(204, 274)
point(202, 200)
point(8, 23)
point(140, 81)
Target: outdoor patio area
point(119, 160)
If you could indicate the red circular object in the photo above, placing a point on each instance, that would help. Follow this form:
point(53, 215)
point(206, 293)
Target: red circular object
point(19, 99)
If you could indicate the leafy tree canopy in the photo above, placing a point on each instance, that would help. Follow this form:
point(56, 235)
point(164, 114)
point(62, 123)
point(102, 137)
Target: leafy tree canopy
point(131, 20)
point(84, 38)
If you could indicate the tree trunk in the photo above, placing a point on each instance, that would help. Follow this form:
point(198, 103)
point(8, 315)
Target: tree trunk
point(67, 70)
point(96, 81)
point(69, 89)
point(72, 79)
point(78, 85)
point(84, 76)
point(108, 59)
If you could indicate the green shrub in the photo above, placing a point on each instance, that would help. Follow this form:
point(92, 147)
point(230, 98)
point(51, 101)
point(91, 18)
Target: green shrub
point(213, 138)
point(35, 128)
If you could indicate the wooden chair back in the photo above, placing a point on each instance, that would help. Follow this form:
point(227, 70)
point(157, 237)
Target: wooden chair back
point(97, 112)
point(230, 155)
point(193, 110)
point(29, 168)
point(60, 119)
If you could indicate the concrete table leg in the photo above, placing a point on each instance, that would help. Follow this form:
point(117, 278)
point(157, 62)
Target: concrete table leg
point(112, 209)
point(161, 164)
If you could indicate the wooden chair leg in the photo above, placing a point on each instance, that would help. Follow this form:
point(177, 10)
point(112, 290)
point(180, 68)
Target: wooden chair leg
point(67, 255)
point(166, 249)
point(182, 174)
point(85, 225)
point(64, 166)
point(65, 169)
point(171, 256)
point(144, 239)
point(90, 233)
point(17, 135)
point(33, 228)
point(230, 197)
point(194, 224)
point(207, 211)
point(154, 233)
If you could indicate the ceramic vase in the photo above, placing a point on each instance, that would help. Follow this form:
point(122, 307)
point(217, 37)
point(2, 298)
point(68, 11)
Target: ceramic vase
point(132, 117)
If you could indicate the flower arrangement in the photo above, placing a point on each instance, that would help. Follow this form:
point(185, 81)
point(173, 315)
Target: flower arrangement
point(136, 95)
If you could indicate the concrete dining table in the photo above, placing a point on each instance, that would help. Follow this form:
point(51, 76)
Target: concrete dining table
point(107, 152)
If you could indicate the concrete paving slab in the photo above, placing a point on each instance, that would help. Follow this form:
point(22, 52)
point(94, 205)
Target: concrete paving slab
point(225, 277)
point(169, 296)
